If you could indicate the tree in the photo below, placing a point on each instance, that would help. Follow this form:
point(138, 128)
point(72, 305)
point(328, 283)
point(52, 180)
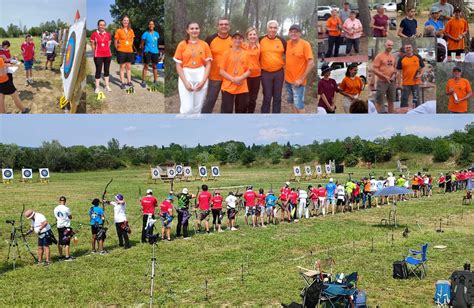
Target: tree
point(364, 16)
point(441, 150)
point(247, 157)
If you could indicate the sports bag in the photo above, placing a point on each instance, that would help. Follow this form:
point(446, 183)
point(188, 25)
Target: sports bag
point(400, 270)
point(443, 293)
point(462, 289)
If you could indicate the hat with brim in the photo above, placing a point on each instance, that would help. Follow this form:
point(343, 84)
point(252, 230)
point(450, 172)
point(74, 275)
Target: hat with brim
point(237, 33)
point(435, 9)
point(295, 27)
point(457, 69)
point(30, 215)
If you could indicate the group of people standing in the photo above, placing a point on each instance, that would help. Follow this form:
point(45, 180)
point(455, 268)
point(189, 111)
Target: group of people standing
point(236, 64)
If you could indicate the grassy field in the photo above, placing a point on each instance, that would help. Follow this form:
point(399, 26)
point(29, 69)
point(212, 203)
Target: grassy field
point(266, 259)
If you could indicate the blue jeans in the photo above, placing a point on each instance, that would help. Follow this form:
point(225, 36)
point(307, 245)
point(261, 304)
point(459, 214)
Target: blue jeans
point(295, 95)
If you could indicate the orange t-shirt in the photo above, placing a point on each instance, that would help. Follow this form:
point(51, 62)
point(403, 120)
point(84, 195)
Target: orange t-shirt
point(235, 63)
point(461, 88)
point(352, 86)
point(219, 47)
point(297, 56)
point(409, 67)
point(384, 63)
point(456, 27)
point(272, 51)
point(192, 55)
point(332, 23)
point(3, 66)
point(125, 40)
point(254, 58)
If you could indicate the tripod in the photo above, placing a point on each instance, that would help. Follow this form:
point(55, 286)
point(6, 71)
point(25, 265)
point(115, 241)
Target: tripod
point(152, 276)
point(13, 247)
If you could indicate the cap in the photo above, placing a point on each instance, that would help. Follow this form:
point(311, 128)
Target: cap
point(287, 183)
point(435, 9)
point(331, 180)
point(325, 68)
point(149, 191)
point(185, 190)
point(29, 214)
point(170, 197)
point(372, 177)
point(237, 33)
point(295, 27)
point(457, 9)
point(457, 69)
point(119, 197)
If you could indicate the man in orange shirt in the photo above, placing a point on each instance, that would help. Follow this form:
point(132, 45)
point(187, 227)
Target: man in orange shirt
point(272, 62)
point(235, 68)
point(410, 68)
point(333, 28)
point(455, 30)
point(459, 91)
point(219, 43)
point(384, 68)
point(299, 62)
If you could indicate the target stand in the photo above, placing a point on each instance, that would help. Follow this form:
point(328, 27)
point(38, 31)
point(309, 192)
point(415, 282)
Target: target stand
point(154, 175)
point(7, 176)
point(26, 175)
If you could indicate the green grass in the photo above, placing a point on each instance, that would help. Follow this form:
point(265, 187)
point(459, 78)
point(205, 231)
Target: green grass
point(269, 257)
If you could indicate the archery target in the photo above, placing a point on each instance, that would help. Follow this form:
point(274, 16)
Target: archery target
point(44, 173)
point(328, 169)
point(187, 171)
point(215, 171)
point(69, 56)
point(171, 172)
point(27, 174)
point(297, 170)
point(202, 171)
point(319, 170)
point(307, 170)
point(7, 174)
point(73, 53)
point(179, 170)
point(155, 174)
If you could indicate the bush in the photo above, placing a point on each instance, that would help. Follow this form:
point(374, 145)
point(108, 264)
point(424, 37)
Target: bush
point(351, 160)
point(441, 150)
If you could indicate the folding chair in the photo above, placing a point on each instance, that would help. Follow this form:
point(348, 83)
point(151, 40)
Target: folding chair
point(336, 295)
point(417, 266)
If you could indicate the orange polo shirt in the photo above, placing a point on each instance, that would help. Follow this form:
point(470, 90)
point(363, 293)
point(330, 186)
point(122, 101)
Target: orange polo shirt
point(352, 86)
point(271, 53)
point(254, 58)
point(409, 66)
point(332, 23)
point(461, 88)
point(218, 46)
point(192, 55)
point(456, 27)
point(235, 63)
point(125, 41)
point(297, 56)
point(3, 78)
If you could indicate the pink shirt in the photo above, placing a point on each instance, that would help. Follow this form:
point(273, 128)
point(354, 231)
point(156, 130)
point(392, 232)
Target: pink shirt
point(102, 47)
point(28, 51)
point(353, 26)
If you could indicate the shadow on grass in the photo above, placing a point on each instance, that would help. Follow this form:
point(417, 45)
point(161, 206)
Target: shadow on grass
point(26, 95)
point(41, 84)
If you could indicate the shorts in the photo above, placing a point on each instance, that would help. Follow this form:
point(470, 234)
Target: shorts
point(63, 240)
point(441, 185)
point(50, 56)
point(260, 210)
point(331, 200)
point(149, 57)
point(28, 64)
point(269, 210)
point(125, 57)
point(357, 198)
point(165, 222)
point(7, 87)
point(340, 202)
point(45, 241)
point(295, 95)
point(385, 89)
point(415, 187)
point(204, 215)
point(321, 200)
point(250, 210)
point(231, 214)
point(95, 229)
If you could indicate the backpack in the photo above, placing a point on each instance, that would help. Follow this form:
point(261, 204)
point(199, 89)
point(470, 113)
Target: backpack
point(462, 289)
point(361, 299)
point(443, 292)
point(400, 270)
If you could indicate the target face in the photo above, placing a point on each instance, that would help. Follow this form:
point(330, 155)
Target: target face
point(27, 173)
point(202, 171)
point(179, 169)
point(297, 171)
point(171, 172)
point(155, 174)
point(319, 170)
point(7, 174)
point(188, 171)
point(328, 169)
point(44, 173)
point(70, 54)
point(215, 171)
point(307, 170)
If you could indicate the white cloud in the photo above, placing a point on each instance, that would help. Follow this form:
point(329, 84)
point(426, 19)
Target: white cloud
point(130, 129)
point(426, 131)
point(275, 134)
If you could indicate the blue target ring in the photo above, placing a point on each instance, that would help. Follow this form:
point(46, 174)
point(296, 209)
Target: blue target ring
point(7, 174)
point(215, 171)
point(27, 173)
point(202, 171)
point(69, 55)
point(44, 173)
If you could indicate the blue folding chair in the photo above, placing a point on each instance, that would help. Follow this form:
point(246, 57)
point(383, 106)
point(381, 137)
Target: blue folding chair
point(417, 260)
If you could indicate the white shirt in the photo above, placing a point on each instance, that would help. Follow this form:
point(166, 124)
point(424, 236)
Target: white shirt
point(341, 192)
point(428, 107)
point(230, 200)
point(303, 195)
point(391, 181)
point(119, 211)
point(380, 184)
point(62, 213)
point(373, 185)
point(37, 222)
point(372, 108)
point(51, 45)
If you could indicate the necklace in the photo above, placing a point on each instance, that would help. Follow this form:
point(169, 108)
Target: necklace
point(193, 51)
point(236, 61)
point(102, 37)
point(126, 36)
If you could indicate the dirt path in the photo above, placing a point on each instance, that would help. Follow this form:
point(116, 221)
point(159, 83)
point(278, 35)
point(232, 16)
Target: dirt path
point(118, 101)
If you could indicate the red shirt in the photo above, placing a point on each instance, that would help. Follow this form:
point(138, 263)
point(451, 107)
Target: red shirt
point(148, 204)
point(250, 197)
point(442, 179)
point(28, 51)
point(6, 53)
point(102, 47)
point(165, 207)
point(261, 199)
point(284, 192)
point(217, 202)
point(322, 192)
point(356, 191)
point(421, 181)
point(293, 197)
point(314, 193)
point(204, 199)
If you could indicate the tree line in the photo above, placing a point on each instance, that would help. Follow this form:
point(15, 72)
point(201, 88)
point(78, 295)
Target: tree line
point(17, 31)
point(350, 151)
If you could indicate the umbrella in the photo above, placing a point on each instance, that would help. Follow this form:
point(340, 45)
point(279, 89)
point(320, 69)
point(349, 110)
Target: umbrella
point(392, 191)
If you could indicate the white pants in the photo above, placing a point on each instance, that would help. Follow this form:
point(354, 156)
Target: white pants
point(192, 101)
point(302, 208)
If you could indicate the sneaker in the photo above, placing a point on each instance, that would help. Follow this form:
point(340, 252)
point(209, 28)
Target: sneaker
point(108, 89)
point(233, 229)
point(103, 252)
point(220, 231)
point(26, 110)
point(68, 259)
point(187, 238)
point(168, 239)
point(97, 90)
point(27, 82)
point(39, 263)
point(46, 263)
point(143, 84)
point(93, 251)
point(62, 258)
point(122, 86)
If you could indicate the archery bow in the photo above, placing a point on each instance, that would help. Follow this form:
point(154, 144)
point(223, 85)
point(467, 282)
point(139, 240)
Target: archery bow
point(23, 236)
point(105, 193)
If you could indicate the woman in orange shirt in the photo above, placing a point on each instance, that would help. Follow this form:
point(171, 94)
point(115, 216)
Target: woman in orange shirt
point(235, 70)
point(333, 29)
point(124, 38)
point(351, 87)
point(252, 47)
point(193, 63)
point(8, 88)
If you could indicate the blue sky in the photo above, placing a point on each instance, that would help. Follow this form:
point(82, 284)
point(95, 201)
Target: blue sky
point(98, 9)
point(33, 12)
point(139, 130)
